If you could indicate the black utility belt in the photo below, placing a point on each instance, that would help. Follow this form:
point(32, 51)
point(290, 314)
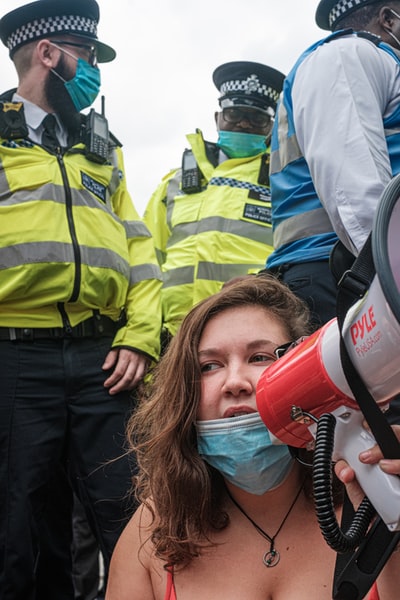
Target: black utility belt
point(98, 326)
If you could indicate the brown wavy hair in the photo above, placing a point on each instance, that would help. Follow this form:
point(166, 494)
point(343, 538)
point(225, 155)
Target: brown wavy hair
point(184, 494)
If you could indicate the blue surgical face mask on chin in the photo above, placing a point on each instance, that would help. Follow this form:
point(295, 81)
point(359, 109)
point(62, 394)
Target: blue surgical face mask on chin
point(84, 87)
point(241, 449)
point(241, 145)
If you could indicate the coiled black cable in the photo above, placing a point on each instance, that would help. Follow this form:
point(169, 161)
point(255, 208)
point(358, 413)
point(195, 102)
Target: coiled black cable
point(322, 484)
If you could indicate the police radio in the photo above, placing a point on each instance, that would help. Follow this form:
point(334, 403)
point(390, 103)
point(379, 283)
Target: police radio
point(191, 174)
point(97, 136)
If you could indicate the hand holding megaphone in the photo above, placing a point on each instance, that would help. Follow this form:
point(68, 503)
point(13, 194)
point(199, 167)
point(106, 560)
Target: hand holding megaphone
point(371, 456)
point(374, 455)
point(382, 489)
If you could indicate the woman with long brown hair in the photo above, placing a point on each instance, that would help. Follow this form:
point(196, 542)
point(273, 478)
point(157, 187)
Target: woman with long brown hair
point(225, 513)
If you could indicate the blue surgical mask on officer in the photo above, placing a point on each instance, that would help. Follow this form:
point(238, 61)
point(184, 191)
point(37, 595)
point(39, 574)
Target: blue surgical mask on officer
point(241, 145)
point(241, 449)
point(84, 87)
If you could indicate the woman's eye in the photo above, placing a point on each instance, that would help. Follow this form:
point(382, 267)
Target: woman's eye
point(263, 358)
point(208, 367)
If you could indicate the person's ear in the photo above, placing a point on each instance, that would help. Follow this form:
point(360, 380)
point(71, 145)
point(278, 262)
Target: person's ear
point(386, 18)
point(47, 53)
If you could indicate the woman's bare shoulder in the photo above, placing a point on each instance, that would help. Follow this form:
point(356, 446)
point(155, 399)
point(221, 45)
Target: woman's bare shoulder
point(132, 563)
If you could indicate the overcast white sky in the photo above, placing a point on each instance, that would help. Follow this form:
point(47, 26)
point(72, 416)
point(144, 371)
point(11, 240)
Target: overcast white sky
point(160, 85)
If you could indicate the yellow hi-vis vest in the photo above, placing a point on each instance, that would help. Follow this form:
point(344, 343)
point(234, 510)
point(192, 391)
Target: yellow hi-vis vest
point(207, 238)
point(72, 243)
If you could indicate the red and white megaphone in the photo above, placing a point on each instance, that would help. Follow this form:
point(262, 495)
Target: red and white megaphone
point(309, 379)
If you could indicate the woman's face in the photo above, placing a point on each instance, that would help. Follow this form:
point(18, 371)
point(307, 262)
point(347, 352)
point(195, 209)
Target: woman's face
point(235, 348)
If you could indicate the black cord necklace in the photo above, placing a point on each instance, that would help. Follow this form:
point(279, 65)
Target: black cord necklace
point(272, 556)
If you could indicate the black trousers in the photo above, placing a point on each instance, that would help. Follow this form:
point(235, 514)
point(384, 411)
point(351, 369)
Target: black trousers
point(54, 570)
point(68, 565)
point(54, 409)
point(85, 556)
point(314, 283)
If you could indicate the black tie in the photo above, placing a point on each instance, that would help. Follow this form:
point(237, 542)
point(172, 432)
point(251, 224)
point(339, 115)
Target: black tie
point(49, 137)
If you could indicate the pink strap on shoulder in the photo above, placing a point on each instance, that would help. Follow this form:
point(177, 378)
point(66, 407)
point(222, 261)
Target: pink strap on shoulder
point(373, 594)
point(170, 591)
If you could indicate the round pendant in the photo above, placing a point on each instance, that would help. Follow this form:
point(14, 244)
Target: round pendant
point(271, 558)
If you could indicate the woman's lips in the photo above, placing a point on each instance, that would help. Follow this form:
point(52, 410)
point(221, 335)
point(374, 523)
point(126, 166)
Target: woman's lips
point(238, 411)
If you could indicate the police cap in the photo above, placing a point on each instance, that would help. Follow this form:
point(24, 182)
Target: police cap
point(330, 12)
point(46, 18)
point(248, 84)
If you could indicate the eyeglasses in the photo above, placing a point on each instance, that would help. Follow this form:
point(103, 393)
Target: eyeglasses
point(91, 50)
point(236, 115)
point(281, 350)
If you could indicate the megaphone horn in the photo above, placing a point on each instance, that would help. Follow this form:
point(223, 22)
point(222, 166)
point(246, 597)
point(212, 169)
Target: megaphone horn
point(309, 380)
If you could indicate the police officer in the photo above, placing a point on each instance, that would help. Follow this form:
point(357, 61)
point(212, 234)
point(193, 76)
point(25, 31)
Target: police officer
point(211, 219)
point(335, 145)
point(79, 300)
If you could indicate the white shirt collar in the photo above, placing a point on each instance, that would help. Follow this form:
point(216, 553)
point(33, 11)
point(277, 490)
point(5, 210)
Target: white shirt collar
point(34, 116)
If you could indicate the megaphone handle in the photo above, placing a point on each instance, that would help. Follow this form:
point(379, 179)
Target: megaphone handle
point(383, 490)
point(384, 434)
point(364, 566)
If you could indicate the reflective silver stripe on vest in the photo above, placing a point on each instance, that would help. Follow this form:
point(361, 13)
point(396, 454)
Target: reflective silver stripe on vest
point(56, 252)
point(208, 271)
point(4, 187)
point(136, 229)
point(288, 149)
point(288, 152)
point(99, 257)
point(103, 258)
point(53, 193)
point(144, 272)
point(243, 229)
point(178, 276)
point(161, 256)
point(173, 189)
point(49, 191)
point(36, 252)
point(393, 131)
point(214, 272)
point(313, 222)
point(115, 180)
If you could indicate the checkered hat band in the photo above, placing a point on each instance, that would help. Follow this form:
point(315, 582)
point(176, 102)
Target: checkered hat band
point(230, 87)
point(40, 28)
point(341, 9)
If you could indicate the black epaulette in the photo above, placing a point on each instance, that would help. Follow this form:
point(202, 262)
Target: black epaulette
point(114, 141)
point(8, 95)
point(263, 174)
point(375, 39)
point(212, 152)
